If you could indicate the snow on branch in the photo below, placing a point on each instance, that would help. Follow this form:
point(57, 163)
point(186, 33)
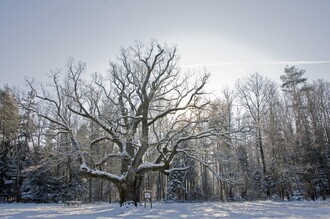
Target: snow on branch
point(100, 174)
point(177, 169)
point(149, 166)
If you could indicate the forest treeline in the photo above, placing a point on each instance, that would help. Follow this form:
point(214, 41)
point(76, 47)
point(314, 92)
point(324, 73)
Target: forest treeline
point(148, 126)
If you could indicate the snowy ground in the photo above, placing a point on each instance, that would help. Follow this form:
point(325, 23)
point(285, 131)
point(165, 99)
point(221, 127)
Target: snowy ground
point(262, 209)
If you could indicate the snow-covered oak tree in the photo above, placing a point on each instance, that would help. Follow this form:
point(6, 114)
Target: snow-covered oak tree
point(143, 104)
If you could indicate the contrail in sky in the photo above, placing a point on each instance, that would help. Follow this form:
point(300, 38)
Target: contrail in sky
point(254, 63)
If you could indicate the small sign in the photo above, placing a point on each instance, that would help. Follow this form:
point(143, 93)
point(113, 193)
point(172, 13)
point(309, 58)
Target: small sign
point(147, 198)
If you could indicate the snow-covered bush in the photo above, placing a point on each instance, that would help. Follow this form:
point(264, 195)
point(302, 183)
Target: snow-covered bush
point(297, 195)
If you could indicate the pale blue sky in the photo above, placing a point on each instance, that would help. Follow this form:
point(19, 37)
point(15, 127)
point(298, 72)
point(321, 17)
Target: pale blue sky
point(258, 35)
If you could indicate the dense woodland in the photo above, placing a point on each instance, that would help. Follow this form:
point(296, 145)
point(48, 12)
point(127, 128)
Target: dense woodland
point(147, 125)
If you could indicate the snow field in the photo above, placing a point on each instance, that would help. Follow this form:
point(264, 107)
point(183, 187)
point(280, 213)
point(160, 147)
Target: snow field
point(260, 210)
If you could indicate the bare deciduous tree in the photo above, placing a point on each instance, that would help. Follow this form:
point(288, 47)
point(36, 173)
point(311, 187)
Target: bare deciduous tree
point(253, 93)
point(143, 92)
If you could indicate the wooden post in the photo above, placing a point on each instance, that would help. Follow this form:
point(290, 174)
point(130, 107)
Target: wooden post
point(147, 196)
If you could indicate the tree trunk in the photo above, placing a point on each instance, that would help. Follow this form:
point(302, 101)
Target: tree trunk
point(109, 193)
point(90, 190)
point(160, 187)
point(101, 190)
point(264, 169)
point(129, 191)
